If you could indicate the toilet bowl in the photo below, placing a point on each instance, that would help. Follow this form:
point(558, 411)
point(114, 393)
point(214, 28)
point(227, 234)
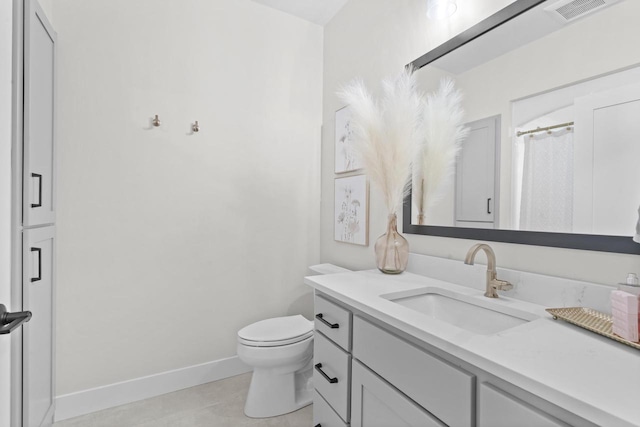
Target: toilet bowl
point(280, 350)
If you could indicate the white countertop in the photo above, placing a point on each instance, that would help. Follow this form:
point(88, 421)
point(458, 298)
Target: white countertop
point(589, 375)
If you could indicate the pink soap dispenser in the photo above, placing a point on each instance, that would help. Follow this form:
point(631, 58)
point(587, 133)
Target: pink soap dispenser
point(631, 285)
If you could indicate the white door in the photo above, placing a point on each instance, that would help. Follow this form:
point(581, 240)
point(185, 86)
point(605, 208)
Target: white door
point(606, 154)
point(38, 248)
point(5, 278)
point(476, 175)
point(39, 156)
point(6, 13)
point(38, 254)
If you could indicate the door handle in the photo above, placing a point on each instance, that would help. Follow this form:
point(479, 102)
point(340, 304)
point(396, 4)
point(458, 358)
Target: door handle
point(489, 205)
point(39, 277)
point(10, 321)
point(39, 204)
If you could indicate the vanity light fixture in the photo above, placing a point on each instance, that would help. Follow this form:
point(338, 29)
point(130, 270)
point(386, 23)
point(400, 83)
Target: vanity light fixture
point(441, 9)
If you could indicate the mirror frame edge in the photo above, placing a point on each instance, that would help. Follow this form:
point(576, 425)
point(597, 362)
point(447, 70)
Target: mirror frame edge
point(591, 242)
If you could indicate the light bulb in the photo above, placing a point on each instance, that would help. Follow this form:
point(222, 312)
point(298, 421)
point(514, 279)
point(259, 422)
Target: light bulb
point(440, 9)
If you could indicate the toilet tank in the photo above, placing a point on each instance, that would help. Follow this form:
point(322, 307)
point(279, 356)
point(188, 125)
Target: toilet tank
point(304, 304)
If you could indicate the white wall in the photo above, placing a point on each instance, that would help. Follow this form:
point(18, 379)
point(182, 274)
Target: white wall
point(373, 39)
point(6, 40)
point(169, 242)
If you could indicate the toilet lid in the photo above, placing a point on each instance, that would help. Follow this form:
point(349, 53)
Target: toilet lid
point(276, 331)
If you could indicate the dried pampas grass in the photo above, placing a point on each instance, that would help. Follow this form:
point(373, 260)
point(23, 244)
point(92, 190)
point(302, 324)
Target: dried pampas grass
point(442, 135)
point(386, 133)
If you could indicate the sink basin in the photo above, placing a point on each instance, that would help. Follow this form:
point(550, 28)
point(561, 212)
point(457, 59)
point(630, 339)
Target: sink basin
point(465, 312)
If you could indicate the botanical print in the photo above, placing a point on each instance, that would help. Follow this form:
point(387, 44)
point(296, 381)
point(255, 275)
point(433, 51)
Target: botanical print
point(351, 210)
point(345, 156)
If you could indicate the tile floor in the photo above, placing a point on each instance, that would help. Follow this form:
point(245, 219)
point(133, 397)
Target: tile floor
point(216, 404)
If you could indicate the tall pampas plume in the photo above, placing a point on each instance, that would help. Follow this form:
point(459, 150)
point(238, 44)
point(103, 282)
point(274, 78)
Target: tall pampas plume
point(442, 136)
point(385, 133)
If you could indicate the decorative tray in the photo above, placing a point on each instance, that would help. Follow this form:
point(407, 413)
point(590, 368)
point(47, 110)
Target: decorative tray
point(590, 319)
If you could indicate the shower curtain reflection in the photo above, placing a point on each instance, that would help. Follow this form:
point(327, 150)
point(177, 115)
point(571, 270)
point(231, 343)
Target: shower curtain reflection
point(546, 197)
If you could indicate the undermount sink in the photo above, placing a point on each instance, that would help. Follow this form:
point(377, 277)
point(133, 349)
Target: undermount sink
point(463, 311)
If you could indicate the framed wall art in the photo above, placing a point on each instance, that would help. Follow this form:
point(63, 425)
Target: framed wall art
point(351, 219)
point(345, 156)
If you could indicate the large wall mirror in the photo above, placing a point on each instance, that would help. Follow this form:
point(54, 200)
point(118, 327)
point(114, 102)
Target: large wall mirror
point(551, 93)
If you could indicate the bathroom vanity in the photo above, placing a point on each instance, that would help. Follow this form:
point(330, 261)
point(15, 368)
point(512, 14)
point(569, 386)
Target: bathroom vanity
point(414, 350)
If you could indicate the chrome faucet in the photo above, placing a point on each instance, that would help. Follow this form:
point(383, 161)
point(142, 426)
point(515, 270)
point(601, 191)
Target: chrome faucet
point(493, 284)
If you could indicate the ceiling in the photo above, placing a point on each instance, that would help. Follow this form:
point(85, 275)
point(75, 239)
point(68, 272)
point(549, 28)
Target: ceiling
point(317, 11)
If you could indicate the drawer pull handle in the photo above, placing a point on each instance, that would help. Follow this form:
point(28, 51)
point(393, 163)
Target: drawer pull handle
point(331, 325)
point(318, 367)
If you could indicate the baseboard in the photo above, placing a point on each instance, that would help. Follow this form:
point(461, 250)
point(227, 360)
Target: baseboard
point(95, 399)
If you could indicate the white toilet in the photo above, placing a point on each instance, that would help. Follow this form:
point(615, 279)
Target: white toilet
point(280, 350)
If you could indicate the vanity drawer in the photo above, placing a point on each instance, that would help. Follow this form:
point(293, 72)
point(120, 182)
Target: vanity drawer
point(498, 409)
point(445, 391)
point(333, 321)
point(323, 414)
point(331, 374)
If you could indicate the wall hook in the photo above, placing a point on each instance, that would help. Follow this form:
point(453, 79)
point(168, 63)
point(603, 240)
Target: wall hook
point(156, 121)
point(195, 127)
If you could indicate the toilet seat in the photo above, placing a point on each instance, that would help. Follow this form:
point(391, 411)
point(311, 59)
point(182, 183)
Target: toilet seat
point(275, 332)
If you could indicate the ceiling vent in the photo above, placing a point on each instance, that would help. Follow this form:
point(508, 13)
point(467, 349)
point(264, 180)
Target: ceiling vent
point(570, 10)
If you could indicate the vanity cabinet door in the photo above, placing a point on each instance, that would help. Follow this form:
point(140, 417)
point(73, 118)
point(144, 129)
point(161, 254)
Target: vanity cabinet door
point(375, 403)
point(436, 385)
point(500, 409)
point(323, 414)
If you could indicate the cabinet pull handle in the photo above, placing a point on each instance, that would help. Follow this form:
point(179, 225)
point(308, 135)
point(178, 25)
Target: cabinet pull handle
point(489, 205)
point(39, 277)
point(331, 325)
point(318, 367)
point(39, 204)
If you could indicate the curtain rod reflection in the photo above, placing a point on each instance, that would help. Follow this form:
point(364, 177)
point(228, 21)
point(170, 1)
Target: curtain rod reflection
point(548, 128)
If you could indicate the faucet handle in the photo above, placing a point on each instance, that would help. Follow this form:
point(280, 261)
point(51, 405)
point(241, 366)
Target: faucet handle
point(497, 285)
point(501, 285)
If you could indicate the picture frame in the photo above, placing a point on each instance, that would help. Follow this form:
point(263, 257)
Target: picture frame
point(346, 159)
point(351, 210)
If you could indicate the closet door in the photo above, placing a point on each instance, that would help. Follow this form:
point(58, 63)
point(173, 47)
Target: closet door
point(39, 140)
point(38, 341)
point(606, 156)
point(476, 175)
